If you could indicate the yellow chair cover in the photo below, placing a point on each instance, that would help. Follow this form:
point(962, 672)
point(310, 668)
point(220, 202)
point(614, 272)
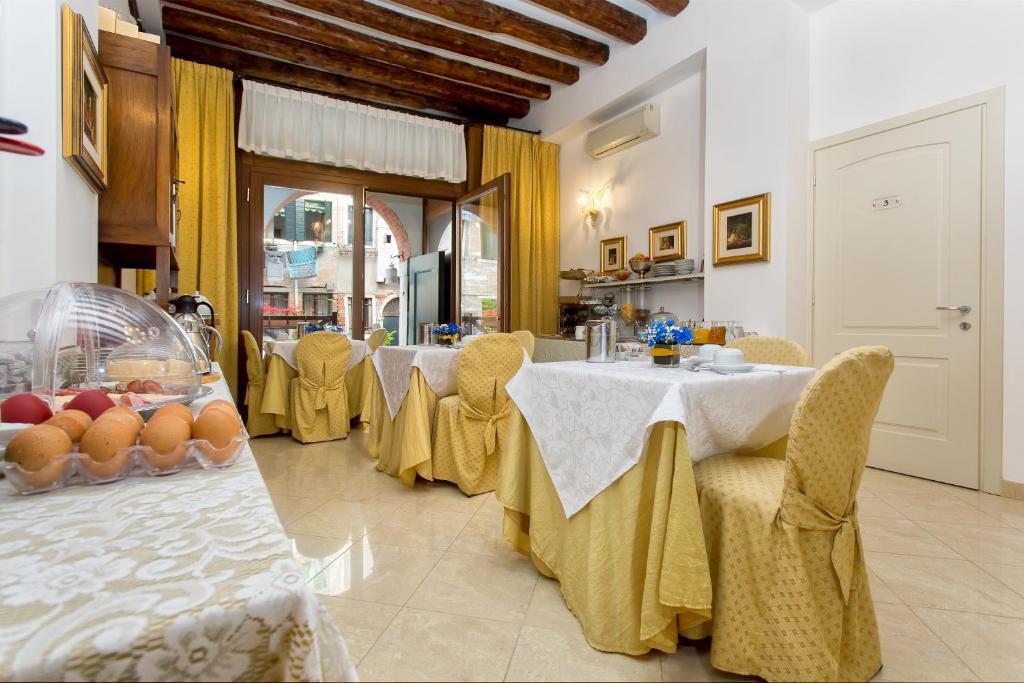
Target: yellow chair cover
point(775, 350)
point(319, 397)
point(791, 597)
point(257, 423)
point(526, 338)
point(466, 437)
point(377, 338)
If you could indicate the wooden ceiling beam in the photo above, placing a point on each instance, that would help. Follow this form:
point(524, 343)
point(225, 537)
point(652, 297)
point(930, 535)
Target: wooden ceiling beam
point(669, 7)
point(284, 73)
point(444, 37)
point(486, 16)
point(253, 13)
point(602, 15)
point(341, 63)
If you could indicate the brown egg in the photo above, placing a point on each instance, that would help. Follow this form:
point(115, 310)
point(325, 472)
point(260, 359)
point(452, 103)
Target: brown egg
point(106, 437)
point(108, 468)
point(69, 425)
point(34, 447)
point(129, 412)
point(82, 417)
point(164, 433)
point(220, 404)
point(216, 426)
point(178, 410)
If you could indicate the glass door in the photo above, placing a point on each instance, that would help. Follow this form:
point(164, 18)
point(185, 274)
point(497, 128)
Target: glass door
point(482, 264)
point(311, 254)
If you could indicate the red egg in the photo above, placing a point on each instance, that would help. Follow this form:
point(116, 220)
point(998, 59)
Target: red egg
point(92, 402)
point(25, 408)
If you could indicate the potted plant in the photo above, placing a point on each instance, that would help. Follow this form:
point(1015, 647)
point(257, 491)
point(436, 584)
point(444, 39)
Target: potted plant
point(446, 333)
point(666, 339)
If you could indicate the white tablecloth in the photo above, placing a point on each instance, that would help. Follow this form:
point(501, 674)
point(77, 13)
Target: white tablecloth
point(394, 365)
point(591, 420)
point(286, 349)
point(183, 577)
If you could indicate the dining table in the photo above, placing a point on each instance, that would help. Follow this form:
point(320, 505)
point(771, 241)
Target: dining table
point(597, 484)
point(281, 369)
point(182, 577)
point(405, 385)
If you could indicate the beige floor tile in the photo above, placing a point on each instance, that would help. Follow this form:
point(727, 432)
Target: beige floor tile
point(990, 645)
point(1008, 510)
point(482, 535)
point(341, 519)
point(692, 662)
point(870, 505)
point(429, 646)
point(547, 655)
point(933, 507)
point(879, 481)
point(911, 652)
point(315, 553)
point(435, 529)
point(981, 543)
point(903, 537)
point(478, 586)
point(290, 508)
point(944, 584)
point(548, 609)
point(377, 573)
point(880, 591)
point(361, 623)
point(1010, 575)
point(443, 496)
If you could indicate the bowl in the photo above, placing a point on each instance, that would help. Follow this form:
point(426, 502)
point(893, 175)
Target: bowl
point(728, 357)
point(707, 352)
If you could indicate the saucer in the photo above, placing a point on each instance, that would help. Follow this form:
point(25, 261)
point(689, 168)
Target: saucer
point(731, 369)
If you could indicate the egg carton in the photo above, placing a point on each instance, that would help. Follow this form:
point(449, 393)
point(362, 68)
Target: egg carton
point(78, 469)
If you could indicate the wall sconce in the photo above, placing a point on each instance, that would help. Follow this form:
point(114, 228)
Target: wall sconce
point(591, 203)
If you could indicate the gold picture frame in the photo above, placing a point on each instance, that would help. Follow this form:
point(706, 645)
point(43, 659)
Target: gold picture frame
point(667, 242)
point(742, 230)
point(613, 254)
point(85, 94)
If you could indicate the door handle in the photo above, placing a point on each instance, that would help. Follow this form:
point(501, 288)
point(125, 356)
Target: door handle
point(965, 309)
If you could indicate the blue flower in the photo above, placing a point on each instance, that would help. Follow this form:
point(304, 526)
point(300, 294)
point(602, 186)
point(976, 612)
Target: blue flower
point(445, 328)
point(667, 333)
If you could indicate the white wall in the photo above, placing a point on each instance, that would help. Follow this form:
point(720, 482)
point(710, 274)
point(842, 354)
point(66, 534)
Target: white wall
point(656, 182)
point(48, 214)
point(875, 60)
point(410, 212)
point(755, 112)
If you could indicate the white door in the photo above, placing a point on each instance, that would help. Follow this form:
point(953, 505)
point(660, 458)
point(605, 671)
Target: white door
point(897, 253)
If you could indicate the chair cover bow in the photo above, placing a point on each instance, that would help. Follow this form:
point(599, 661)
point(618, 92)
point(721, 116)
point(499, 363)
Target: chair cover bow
point(320, 390)
point(804, 512)
point(491, 431)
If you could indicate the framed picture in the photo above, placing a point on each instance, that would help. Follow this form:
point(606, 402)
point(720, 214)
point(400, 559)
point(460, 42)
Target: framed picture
point(742, 230)
point(85, 96)
point(613, 254)
point(667, 242)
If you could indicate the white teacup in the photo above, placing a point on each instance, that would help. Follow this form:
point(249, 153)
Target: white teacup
point(707, 352)
point(729, 357)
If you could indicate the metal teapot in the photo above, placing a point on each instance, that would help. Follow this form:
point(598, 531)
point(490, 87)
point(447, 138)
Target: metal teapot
point(186, 314)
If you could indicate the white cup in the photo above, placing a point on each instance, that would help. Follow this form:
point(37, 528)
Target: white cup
point(707, 352)
point(729, 357)
point(581, 332)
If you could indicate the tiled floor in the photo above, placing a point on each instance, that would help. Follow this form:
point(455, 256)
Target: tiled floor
point(424, 587)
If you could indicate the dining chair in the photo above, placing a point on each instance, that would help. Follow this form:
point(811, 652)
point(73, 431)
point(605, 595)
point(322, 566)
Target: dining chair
point(526, 338)
point(376, 339)
point(775, 350)
point(791, 596)
point(319, 398)
point(257, 423)
point(469, 427)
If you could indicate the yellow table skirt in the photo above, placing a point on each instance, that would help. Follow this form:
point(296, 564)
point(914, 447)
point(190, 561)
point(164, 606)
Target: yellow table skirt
point(632, 563)
point(276, 389)
point(402, 446)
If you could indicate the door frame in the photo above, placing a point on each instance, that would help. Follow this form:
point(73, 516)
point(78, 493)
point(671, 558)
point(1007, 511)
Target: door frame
point(501, 184)
point(990, 314)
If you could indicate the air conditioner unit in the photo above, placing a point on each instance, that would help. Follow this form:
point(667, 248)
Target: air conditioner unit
point(624, 132)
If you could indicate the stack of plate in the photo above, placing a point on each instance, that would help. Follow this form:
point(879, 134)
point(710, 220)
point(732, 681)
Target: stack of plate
point(683, 266)
point(663, 269)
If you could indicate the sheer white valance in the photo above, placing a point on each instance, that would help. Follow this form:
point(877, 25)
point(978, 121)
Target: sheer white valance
point(292, 124)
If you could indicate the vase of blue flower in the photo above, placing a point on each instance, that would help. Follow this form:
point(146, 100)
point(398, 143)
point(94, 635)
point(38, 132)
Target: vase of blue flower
point(666, 340)
point(446, 333)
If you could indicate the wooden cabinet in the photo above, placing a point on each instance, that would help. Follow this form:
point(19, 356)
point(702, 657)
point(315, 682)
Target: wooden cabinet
point(137, 212)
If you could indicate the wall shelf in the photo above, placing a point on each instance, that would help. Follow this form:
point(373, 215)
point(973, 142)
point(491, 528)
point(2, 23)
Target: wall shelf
point(692, 277)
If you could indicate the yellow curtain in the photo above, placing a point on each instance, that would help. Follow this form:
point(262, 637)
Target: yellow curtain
point(534, 220)
point(145, 281)
point(207, 254)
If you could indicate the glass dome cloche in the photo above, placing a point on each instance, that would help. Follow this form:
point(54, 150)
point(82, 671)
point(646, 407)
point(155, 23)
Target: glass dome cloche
point(75, 336)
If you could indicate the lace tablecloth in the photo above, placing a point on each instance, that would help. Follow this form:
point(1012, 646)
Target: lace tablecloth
point(184, 577)
point(394, 366)
point(591, 420)
point(286, 349)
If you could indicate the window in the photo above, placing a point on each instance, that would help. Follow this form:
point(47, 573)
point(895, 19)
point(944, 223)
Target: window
point(368, 226)
point(316, 304)
point(275, 300)
point(304, 220)
point(368, 321)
